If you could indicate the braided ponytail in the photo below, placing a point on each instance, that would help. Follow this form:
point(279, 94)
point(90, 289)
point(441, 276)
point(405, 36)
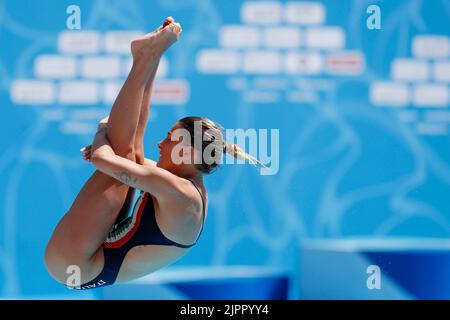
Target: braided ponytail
point(211, 135)
point(236, 152)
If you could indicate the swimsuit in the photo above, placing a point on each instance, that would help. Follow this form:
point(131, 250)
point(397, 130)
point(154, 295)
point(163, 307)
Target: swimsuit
point(138, 229)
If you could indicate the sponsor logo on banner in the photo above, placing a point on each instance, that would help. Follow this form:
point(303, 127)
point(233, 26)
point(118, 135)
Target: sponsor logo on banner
point(430, 95)
point(55, 67)
point(325, 38)
point(431, 46)
point(410, 70)
point(304, 63)
point(282, 37)
point(79, 42)
point(262, 62)
point(218, 61)
point(441, 71)
point(32, 92)
point(266, 12)
point(236, 36)
point(308, 13)
point(119, 41)
point(170, 92)
point(390, 94)
point(345, 63)
point(79, 92)
point(101, 67)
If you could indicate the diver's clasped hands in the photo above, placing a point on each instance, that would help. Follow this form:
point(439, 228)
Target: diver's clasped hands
point(101, 129)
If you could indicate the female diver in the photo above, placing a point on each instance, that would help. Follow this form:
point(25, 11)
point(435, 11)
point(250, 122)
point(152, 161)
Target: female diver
point(168, 217)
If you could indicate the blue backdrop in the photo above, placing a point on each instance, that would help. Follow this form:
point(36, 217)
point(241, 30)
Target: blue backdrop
point(363, 135)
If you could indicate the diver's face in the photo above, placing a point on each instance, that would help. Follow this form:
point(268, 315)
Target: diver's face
point(166, 147)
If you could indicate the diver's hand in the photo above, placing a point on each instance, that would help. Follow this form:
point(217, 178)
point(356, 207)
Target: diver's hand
point(87, 152)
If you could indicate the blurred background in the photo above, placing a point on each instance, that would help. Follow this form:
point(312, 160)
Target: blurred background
point(357, 205)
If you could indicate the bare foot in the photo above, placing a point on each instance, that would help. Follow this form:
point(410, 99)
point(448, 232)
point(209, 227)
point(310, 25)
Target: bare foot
point(168, 21)
point(158, 41)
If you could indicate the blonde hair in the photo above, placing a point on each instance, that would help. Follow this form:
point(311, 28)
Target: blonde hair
point(212, 135)
point(236, 152)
